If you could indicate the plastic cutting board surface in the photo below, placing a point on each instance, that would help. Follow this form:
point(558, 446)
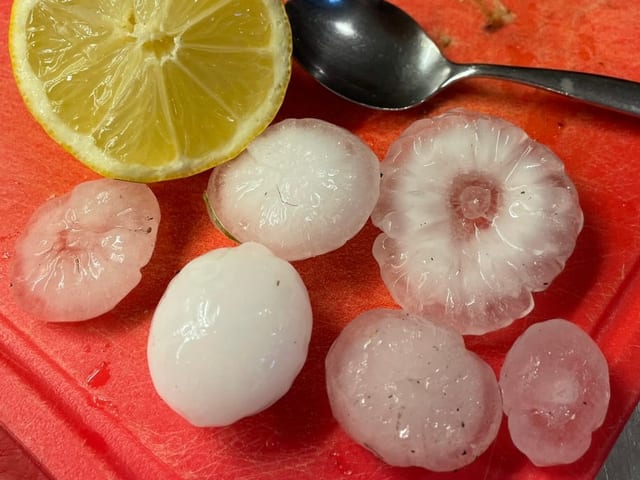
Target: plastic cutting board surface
point(78, 397)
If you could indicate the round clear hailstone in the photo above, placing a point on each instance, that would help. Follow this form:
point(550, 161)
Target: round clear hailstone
point(475, 217)
point(408, 390)
point(302, 188)
point(81, 253)
point(555, 388)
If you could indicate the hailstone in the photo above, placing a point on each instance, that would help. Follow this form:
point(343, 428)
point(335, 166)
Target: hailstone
point(555, 388)
point(81, 253)
point(302, 188)
point(229, 335)
point(407, 389)
point(475, 216)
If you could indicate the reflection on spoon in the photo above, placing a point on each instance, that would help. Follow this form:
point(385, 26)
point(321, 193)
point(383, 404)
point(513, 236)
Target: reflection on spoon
point(374, 54)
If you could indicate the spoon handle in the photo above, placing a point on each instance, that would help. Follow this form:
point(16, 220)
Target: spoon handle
point(612, 93)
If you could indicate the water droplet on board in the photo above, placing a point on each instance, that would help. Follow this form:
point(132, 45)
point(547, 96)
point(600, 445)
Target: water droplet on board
point(101, 402)
point(100, 376)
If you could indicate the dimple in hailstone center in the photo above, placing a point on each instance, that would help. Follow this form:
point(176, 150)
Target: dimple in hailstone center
point(474, 200)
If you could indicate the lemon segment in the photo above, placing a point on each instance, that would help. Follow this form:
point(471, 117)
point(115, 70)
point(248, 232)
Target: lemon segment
point(149, 90)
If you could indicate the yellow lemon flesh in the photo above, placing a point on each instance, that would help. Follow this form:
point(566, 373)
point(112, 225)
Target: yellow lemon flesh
point(149, 90)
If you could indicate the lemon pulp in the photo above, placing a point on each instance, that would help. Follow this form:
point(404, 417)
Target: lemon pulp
point(148, 90)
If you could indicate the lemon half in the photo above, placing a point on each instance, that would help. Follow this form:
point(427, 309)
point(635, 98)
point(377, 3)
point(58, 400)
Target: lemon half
point(150, 90)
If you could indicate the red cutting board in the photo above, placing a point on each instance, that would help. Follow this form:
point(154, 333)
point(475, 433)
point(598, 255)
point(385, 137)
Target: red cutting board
point(79, 398)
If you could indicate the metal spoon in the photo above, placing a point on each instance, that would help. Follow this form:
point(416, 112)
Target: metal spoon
point(374, 54)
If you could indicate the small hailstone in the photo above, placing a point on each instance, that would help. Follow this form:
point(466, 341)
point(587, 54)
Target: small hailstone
point(555, 388)
point(476, 216)
point(408, 390)
point(81, 253)
point(229, 335)
point(303, 188)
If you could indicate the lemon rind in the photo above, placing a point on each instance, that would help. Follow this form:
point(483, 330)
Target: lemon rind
point(82, 146)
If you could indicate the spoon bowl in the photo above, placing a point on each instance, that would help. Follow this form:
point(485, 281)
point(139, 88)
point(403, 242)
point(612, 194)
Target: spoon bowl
point(373, 53)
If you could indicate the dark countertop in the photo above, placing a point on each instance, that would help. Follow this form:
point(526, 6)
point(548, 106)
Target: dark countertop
point(623, 462)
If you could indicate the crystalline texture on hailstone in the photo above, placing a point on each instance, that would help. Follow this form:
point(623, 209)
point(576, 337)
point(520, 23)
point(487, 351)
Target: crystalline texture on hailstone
point(555, 389)
point(407, 389)
point(475, 216)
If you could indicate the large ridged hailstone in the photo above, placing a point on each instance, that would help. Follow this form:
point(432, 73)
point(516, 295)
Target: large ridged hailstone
point(555, 387)
point(229, 335)
point(81, 253)
point(302, 188)
point(476, 216)
point(408, 390)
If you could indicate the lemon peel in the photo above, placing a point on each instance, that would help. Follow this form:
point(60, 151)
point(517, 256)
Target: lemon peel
point(154, 89)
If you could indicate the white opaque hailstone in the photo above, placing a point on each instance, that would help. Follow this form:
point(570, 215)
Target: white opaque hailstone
point(475, 216)
point(302, 188)
point(407, 389)
point(555, 388)
point(81, 253)
point(229, 335)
